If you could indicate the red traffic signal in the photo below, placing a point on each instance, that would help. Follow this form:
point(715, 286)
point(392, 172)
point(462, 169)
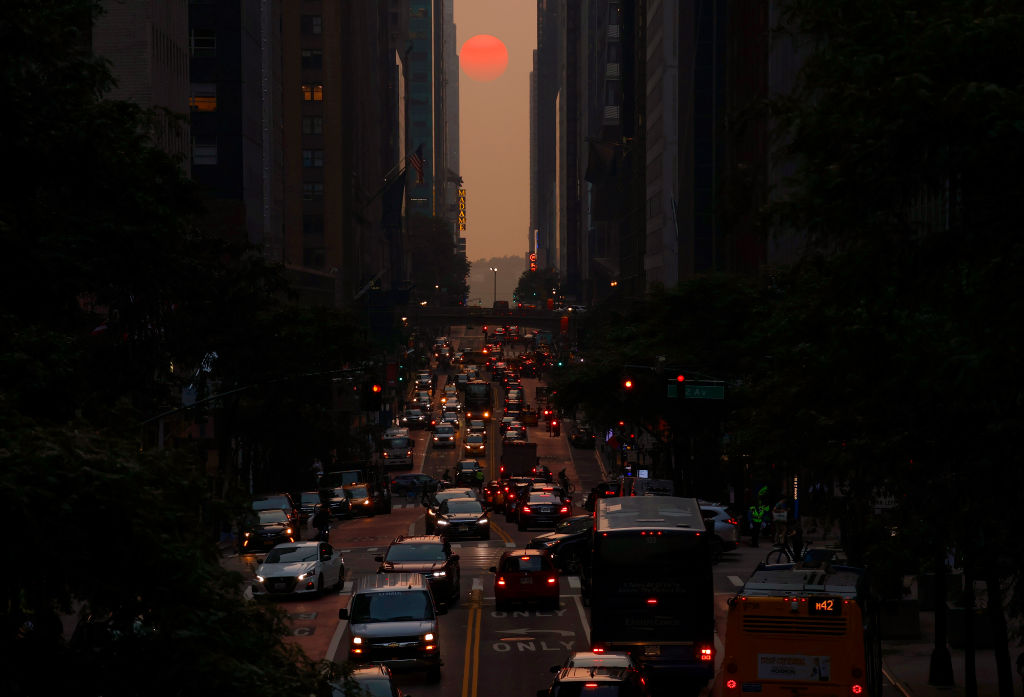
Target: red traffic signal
point(680, 378)
point(376, 388)
point(628, 384)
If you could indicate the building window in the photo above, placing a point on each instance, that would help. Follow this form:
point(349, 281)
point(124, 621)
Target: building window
point(313, 93)
point(312, 190)
point(312, 125)
point(612, 92)
point(614, 52)
point(204, 96)
point(313, 257)
point(204, 150)
point(312, 24)
point(312, 58)
point(312, 158)
point(203, 43)
point(313, 225)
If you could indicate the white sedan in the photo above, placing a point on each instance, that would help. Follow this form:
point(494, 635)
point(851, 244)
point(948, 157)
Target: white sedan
point(299, 567)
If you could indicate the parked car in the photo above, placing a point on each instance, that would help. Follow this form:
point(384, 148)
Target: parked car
point(726, 523)
point(338, 503)
point(428, 555)
point(308, 501)
point(525, 576)
point(299, 568)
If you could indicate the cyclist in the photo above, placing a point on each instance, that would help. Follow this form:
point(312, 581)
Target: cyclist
point(563, 479)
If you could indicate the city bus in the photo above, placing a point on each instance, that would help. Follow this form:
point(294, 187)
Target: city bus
point(649, 585)
point(798, 630)
point(478, 401)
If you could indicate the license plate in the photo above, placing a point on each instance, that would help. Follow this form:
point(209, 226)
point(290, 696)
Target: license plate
point(279, 586)
point(652, 650)
point(526, 579)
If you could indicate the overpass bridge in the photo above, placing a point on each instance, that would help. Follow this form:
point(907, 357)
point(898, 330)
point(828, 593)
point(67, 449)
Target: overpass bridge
point(438, 316)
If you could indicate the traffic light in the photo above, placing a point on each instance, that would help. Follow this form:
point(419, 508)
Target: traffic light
point(376, 389)
point(628, 384)
point(680, 378)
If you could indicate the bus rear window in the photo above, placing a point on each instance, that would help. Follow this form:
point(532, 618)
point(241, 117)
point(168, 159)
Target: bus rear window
point(647, 551)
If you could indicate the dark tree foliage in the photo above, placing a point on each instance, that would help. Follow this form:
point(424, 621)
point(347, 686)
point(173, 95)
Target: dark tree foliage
point(435, 263)
point(535, 287)
point(113, 298)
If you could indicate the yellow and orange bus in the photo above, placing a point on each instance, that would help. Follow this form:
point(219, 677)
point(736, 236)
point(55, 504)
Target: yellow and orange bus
point(806, 631)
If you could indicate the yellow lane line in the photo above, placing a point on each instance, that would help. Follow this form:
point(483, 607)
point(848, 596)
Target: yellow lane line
point(502, 533)
point(472, 656)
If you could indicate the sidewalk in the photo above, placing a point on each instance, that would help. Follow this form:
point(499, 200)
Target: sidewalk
point(906, 661)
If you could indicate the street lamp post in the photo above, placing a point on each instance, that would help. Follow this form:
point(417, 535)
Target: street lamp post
point(495, 270)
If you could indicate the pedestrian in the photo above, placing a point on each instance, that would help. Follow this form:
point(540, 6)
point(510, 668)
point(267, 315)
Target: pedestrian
point(317, 468)
point(479, 475)
point(758, 512)
point(322, 522)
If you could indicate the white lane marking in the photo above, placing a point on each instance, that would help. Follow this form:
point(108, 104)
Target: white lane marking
point(332, 648)
point(583, 620)
point(347, 587)
point(574, 582)
point(412, 528)
point(478, 584)
point(735, 580)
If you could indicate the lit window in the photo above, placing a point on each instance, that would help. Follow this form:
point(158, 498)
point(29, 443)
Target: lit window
point(203, 43)
point(204, 96)
point(313, 93)
point(204, 150)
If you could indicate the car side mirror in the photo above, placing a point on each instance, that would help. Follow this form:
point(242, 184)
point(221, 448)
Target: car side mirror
point(343, 613)
point(493, 569)
point(378, 559)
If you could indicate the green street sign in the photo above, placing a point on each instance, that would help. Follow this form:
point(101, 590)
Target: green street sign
point(704, 391)
point(694, 390)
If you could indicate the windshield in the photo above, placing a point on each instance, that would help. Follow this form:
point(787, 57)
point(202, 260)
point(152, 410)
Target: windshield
point(357, 492)
point(288, 555)
point(571, 526)
point(464, 507)
point(445, 430)
point(415, 552)
point(452, 494)
point(397, 443)
point(274, 516)
point(310, 497)
point(391, 606)
point(266, 504)
point(474, 438)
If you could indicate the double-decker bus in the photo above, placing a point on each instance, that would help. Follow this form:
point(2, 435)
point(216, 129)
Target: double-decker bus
point(650, 587)
point(478, 401)
point(801, 629)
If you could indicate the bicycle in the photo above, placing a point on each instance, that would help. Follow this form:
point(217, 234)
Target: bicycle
point(782, 553)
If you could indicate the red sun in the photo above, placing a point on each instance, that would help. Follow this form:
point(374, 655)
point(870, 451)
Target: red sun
point(483, 58)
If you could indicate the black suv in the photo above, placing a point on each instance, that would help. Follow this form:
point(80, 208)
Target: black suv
point(429, 555)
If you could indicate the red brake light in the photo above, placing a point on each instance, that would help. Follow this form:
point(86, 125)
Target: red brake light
point(856, 689)
point(590, 685)
point(598, 649)
point(526, 509)
point(732, 521)
point(652, 601)
point(731, 684)
point(706, 653)
point(501, 580)
point(564, 509)
point(552, 580)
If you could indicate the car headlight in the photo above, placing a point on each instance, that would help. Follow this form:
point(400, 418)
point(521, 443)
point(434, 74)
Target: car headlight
point(260, 578)
point(306, 574)
point(440, 574)
point(483, 521)
point(248, 534)
point(287, 531)
point(357, 640)
point(428, 637)
point(442, 522)
point(367, 502)
point(435, 437)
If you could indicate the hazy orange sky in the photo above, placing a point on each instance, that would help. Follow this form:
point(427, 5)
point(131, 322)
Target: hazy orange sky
point(494, 129)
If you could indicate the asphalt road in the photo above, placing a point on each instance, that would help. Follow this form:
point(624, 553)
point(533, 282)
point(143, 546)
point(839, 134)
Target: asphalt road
point(485, 652)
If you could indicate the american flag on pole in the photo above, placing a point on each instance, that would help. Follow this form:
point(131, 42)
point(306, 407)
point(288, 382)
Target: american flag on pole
point(417, 161)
